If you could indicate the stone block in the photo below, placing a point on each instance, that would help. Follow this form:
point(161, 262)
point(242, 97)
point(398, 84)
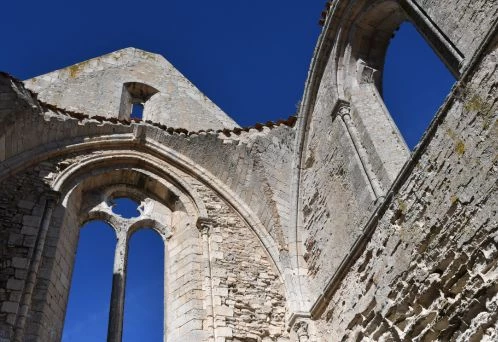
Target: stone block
point(15, 284)
point(31, 221)
point(19, 262)
point(224, 332)
point(9, 307)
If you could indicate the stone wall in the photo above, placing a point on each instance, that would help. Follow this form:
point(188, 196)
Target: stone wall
point(330, 230)
point(21, 211)
point(248, 289)
point(336, 199)
point(248, 293)
point(429, 271)
point(465, 22)
point(175, 101)
point(351, 152)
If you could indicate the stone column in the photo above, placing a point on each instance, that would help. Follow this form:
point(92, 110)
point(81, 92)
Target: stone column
point(343, 111)
point(116, 313)
point(205, 225)
point(51, 199)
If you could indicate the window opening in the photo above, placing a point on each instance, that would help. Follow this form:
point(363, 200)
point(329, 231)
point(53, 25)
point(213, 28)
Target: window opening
point(137, 111)
point(125, 207)
point(134, 99)
point(415, 83)
point(144, 302)
point(89, 298)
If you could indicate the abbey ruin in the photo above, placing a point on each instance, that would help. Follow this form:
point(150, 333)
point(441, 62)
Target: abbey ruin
point(321, 227)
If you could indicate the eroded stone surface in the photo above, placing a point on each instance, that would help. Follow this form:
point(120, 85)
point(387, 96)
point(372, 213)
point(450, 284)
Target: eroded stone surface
point(174, 101)
point(323, 230)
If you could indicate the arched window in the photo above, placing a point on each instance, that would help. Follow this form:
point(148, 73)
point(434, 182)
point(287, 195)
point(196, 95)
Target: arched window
point(415, 83)
point(109, 265)
point(144, 303)
point(129, 199)
point(88, 308)
point(377, 138)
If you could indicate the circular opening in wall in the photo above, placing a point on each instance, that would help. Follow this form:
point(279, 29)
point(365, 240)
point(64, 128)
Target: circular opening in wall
point(125, 207)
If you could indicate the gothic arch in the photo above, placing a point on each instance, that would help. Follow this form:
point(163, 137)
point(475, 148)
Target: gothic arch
point(158, 156)
point(156, 151)
point(168, 158)
point(161, 183)
point(350, 54)
point(86, 189)
point(342, 110)
point(344, 81)
point(138, 173)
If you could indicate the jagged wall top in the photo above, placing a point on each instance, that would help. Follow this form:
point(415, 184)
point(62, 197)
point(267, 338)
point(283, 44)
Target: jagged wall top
point(108, 86)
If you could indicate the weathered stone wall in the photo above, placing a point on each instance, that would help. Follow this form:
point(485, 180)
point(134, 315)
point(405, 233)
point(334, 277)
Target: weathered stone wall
point(351, 151)
point(52, 281)
point(464, 22)
point(429, 271)
point(248, 293)
point(335, 195)
point(96, 87)
point(42, 285)
point(21, 210)
point(414, 259)
point(336, 198)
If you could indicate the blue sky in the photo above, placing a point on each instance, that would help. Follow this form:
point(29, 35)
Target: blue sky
point(250, 57)
point(415, 83)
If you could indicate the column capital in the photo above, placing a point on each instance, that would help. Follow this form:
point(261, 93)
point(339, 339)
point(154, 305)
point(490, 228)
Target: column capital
point(204, 224)
point(341, 108)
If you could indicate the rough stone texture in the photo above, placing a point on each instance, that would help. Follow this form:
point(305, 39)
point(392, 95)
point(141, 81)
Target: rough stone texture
point(466, 26)
point(322, 227)
point(20, 213)
point(248, 289)
point(249, 296)
point(430, 270)
point(177, 102)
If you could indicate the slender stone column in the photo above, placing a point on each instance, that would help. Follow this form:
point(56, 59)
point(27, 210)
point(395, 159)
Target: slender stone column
point(205, 225)
point(116, 313)
point(343, 111)
point(50, 203)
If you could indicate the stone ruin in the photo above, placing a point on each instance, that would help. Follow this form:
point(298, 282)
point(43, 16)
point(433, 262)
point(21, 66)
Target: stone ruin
point(321, 227)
